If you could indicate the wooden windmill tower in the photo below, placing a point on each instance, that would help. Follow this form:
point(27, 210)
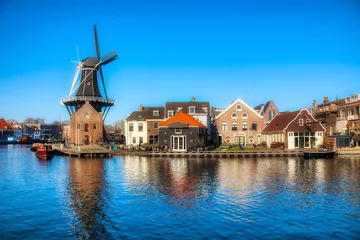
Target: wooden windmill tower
point(88, 108)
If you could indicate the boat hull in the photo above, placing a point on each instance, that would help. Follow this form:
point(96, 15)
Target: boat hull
point(319, 154)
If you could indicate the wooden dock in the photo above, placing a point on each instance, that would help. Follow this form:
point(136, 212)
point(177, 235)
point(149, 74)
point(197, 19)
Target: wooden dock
point(225, 154)
point(84, 151)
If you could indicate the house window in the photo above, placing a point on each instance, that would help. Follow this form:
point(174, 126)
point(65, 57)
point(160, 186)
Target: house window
point(94, 127)
point(134, 140)
point(170, 113)
point(131, 127)
point(156, 125)
point(244, 115)
point(87, 115)
point(224, 126)
point(357, 110)
point(301, 122)
point(272, 115)
point(141, 140)
point(233, 115)
point(349, 113)
point(86, 127)
point(238, 108)
point(254, 126)
point(156, 113)
point(140, 127)
point(178, 130)
point(191, 110)
point(234, 126)
point(244, 126)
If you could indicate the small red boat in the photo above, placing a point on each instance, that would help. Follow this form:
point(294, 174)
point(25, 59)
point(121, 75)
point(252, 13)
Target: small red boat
point(45, 150)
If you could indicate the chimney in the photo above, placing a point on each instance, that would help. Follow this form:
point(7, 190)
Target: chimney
point(314, 103)
point(193, 99)
point(140, 108)
point(326, 100)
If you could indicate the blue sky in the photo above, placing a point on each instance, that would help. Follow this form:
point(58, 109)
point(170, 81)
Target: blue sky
point(291, 52)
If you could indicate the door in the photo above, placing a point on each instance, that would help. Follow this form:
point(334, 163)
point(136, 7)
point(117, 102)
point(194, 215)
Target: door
point(178, 143)
point(291, 140)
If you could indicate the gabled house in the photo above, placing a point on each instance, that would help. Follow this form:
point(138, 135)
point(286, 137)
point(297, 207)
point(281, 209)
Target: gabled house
point(239, 124)
point(295, 129)
point(348, 112)
point(142, 126)
point(199, 110)
point(268, 111)
point(181, 132)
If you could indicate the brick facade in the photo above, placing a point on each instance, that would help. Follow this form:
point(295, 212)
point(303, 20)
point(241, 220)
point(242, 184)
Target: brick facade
point(239, 124)
point(86, 126)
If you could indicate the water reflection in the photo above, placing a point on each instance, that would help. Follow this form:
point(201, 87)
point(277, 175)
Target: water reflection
point(179, 179)
point(89, 195)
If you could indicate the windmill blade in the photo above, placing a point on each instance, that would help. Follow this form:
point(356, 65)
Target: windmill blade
point(103, 82)
point(97, 48)
point(109, 57)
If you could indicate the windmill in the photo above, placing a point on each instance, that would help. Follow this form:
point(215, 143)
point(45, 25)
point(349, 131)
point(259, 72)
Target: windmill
point(87, 87)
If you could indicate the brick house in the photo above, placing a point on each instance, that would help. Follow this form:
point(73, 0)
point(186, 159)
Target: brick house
point(295, 129)
point(181, 132)
point(239, 124)
point(142, 126)
point(268, 111)
point(348, 115)
point(86, 125)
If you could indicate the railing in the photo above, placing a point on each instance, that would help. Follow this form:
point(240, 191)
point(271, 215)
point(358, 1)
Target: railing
point(346, 118)
point(87, 98)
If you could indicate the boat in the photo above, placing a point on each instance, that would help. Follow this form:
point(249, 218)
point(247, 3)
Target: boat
point(45, 150)
point(35, 146)
point(319, 153)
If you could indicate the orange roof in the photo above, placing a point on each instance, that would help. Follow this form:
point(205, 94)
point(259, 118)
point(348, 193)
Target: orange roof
point(4, 124)
point(183, 118)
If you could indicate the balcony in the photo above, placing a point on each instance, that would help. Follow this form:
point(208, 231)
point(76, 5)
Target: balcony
point(348, 118)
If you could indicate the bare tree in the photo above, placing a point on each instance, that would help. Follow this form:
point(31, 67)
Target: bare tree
point(34, 121)
point(119, 126)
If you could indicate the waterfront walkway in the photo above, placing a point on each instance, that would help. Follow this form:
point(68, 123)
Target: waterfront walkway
point(242, 153)
point(83, 151)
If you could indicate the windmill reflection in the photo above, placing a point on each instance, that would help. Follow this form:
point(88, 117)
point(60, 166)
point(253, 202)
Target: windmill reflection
point(89, 197)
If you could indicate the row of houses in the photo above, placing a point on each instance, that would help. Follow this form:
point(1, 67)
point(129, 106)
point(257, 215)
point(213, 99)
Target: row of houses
point(183, 125)
point(21, 131)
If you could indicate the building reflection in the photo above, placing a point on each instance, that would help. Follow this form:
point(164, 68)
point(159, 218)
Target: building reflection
point(179, 179)
point(89, 196)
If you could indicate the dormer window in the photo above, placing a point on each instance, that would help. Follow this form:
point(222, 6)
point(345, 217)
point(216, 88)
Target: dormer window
point(301, 122)
point(191, 110)
point(170, 113)
point(244, 115)
point(233, 115)
point(238, 108)
point(156, 113)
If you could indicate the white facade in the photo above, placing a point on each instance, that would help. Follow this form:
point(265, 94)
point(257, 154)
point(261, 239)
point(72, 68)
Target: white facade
point(136, 132)
point(206, 120)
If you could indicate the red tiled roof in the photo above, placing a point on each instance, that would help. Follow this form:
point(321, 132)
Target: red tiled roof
point(279, 123)
point(4, 124)
point(183, 118)
point(290, 123)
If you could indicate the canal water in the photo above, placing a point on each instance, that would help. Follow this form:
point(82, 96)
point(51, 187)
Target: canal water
point(131, 197)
